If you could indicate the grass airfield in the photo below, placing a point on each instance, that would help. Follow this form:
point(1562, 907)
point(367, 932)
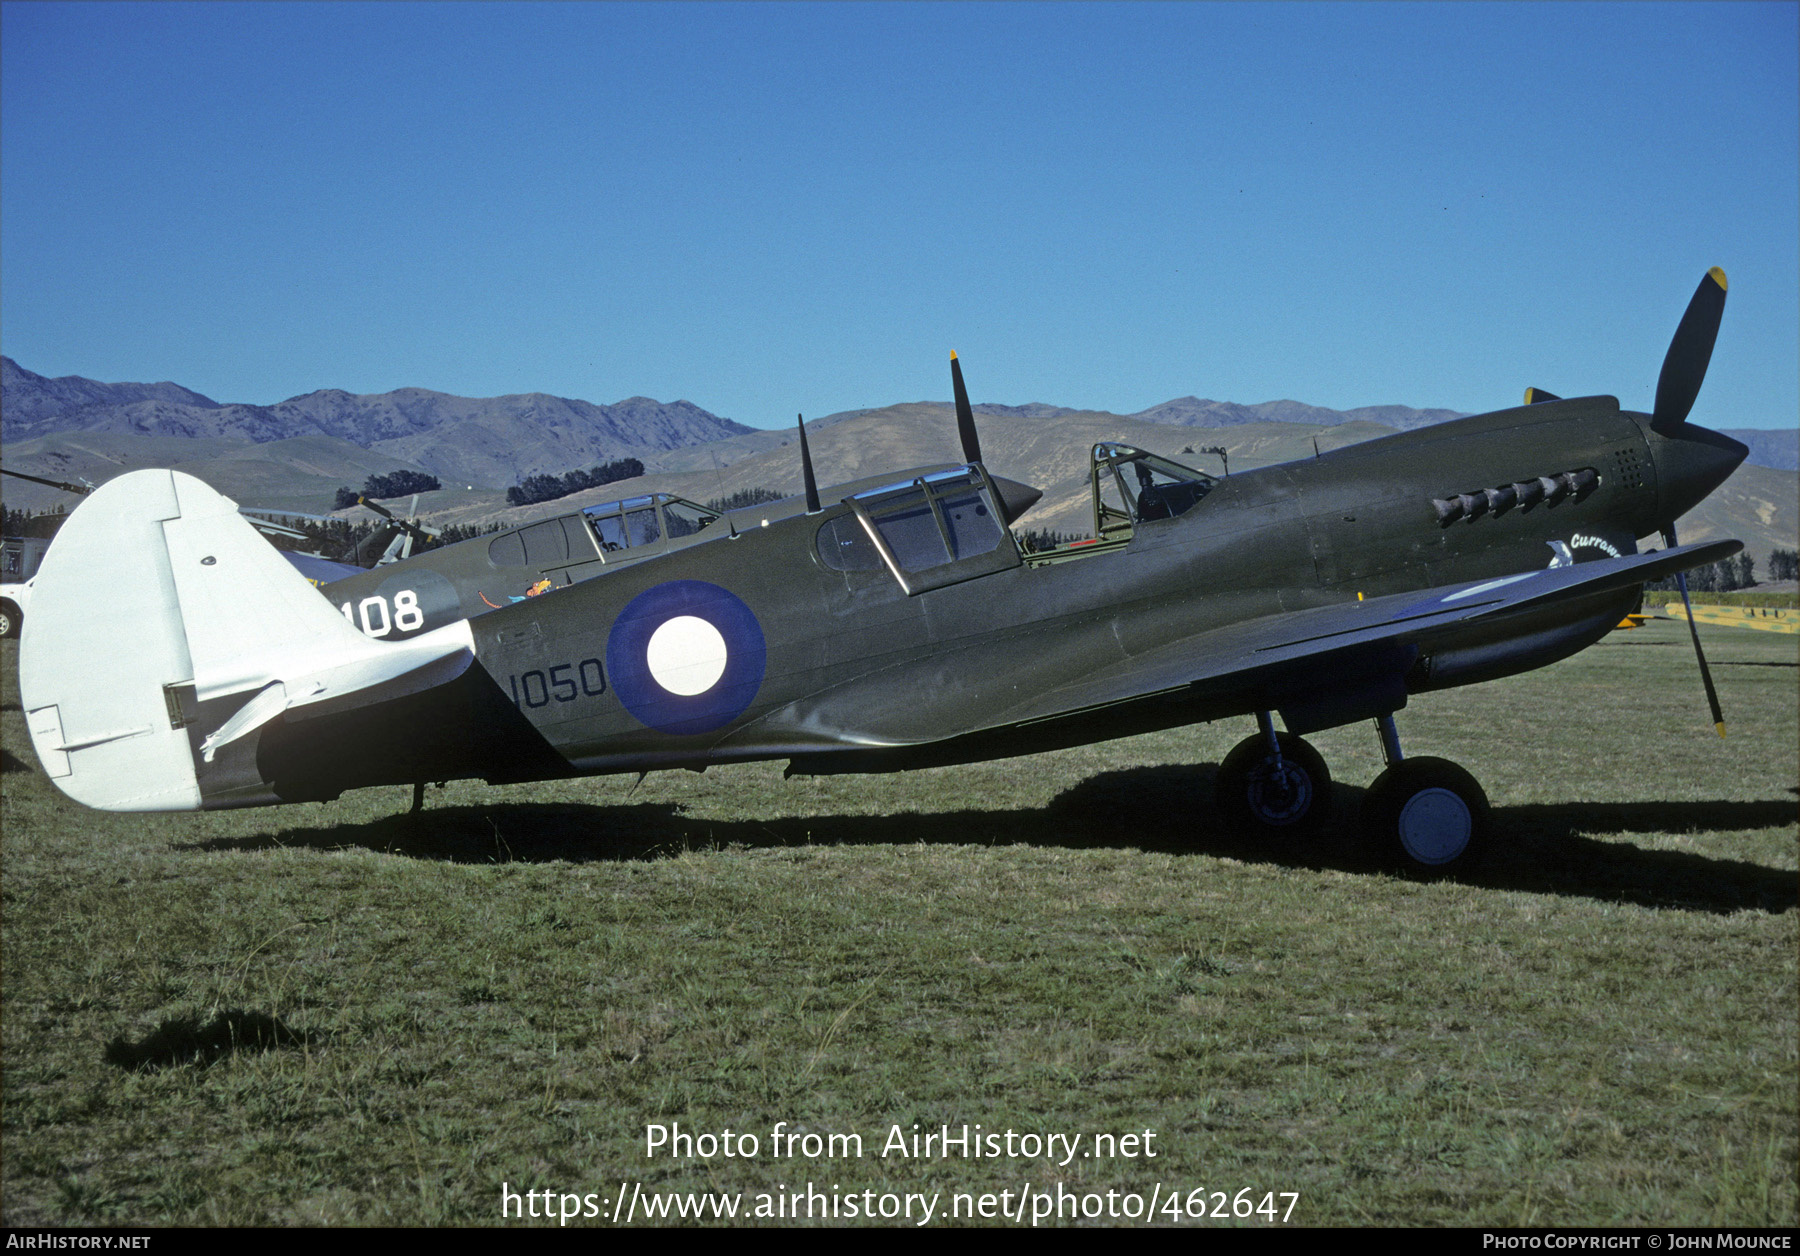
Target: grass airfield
point(332, 1015)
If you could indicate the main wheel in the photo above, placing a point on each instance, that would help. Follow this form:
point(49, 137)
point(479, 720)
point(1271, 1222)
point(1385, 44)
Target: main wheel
point(9, 619)
point(1293, 798)
point(1427, 815)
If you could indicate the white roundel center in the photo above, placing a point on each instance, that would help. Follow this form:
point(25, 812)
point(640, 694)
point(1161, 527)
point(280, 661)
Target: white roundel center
point(686, 656)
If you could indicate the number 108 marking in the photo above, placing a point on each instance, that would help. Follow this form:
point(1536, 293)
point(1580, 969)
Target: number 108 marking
point(378, 621)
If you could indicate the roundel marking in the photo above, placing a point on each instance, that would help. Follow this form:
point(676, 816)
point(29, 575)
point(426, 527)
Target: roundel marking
point(686, 657)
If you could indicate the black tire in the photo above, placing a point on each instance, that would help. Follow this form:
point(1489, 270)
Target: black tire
point(10, 620)
point(1426, 816)
point(1252, 796)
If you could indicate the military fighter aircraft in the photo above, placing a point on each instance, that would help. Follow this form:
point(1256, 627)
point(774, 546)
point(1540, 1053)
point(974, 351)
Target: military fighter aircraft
point(898, 625)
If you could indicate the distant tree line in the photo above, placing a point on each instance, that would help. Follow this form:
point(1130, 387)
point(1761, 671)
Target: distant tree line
point(329, 537)
point(1042, 540)
point(335, 538)
point(26, 523)
point(395, 484)
point(1784, 564)
point(546, 488)
point(1721, 577)
point(743, 499)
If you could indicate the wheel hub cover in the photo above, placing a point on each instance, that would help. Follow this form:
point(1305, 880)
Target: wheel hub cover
point(1280, 796)
point(1435, 826)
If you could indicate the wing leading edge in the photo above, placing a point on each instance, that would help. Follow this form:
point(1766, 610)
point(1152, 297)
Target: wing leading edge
point(1319, 667)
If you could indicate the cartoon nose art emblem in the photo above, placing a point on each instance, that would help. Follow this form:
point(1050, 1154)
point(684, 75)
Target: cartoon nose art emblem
point(686, 657)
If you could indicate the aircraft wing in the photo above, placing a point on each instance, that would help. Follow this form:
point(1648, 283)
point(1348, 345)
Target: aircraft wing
point(1319, 667)
point(1279, 653)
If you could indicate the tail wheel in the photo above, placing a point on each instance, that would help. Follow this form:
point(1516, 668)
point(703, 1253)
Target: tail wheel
point(1427, 815)
point(1292, 796)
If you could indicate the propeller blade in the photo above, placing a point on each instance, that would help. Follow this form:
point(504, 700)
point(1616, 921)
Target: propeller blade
point(414, 527)
point(1684, 368)
point(416, 530)
point(806, 469)
point(369, 551)
point(1537, 396)
point(1712, 694)
point(965, 415)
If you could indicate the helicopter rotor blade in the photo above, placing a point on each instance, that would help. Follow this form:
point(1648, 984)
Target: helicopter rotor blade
point(80, 490)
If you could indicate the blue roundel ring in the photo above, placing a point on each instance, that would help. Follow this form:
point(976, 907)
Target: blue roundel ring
point(637, 649)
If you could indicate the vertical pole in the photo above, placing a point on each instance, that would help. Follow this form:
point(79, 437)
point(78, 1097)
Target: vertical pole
point(1266, 722)
point(1390, 739)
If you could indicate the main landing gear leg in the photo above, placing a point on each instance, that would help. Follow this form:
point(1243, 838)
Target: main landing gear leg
point(1425, 814)
point(1274, 782)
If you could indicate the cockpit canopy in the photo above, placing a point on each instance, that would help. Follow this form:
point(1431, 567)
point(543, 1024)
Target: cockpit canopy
point(634, 521)
point(1132, 486)
point(633, 528)
point(929, 532)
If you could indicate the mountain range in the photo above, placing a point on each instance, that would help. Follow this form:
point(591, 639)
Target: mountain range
point(493, 441)
point(294, 454)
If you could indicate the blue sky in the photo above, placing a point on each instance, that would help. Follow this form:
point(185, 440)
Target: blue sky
point(767, 209)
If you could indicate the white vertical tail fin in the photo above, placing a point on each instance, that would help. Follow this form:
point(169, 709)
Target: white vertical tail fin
point(157, 595)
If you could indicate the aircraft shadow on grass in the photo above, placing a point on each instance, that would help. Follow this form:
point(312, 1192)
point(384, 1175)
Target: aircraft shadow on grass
point(1542, 848)
point(190, 1040)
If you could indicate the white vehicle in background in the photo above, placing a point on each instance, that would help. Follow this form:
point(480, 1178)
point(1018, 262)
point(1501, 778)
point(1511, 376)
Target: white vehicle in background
point(20, 557)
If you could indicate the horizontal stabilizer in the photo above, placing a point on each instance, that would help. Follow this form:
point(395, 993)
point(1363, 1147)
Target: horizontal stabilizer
point(157, 596)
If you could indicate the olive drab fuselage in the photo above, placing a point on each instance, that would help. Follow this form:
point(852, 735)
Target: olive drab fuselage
point(821, 639)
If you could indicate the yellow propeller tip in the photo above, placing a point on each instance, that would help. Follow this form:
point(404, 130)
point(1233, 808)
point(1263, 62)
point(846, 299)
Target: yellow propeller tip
point(953, 355)
point(1717, 276)
point(1721, 730)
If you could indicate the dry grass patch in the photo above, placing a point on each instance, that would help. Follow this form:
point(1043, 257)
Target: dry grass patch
point(1598, 1027)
